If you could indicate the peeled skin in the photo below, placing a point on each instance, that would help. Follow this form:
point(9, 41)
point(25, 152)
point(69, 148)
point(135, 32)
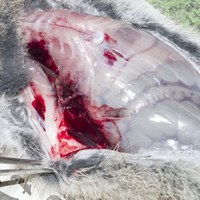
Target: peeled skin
point(130, 89)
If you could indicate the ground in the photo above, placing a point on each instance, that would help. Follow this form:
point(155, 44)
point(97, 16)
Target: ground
point(186, 12)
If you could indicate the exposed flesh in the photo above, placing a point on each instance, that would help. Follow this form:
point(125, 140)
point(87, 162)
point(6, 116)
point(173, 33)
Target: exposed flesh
point(97, 83)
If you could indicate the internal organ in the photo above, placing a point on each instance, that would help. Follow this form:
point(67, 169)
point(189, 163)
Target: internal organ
point(97, 83)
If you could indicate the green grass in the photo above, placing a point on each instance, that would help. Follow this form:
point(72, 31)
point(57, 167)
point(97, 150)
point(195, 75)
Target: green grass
point(186, 12)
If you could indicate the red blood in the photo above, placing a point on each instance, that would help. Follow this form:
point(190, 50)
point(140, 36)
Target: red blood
point(81, 126)
point(38, 50)
point(65, 148)
point(77, 124)
point(39, 106)
point(111, 58)
point(109, 39)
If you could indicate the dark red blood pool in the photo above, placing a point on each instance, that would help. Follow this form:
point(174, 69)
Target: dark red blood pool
point(77, 123)
point(41, 54)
